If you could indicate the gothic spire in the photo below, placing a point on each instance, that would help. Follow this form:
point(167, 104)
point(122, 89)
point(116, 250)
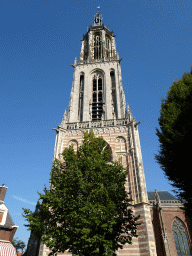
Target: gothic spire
point(128, 113)
point(64, 119)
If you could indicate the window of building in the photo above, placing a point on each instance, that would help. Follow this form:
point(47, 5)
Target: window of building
point(180, 238)
point(94, 85)
point(97, 97)
point(108, 47)
point(97, 46)
point(120, 144)
point(100, 98)
point(113, 92)
point(107, 147)
point(74, 144)
point(94, 97)
point(85, 48)
point(100, 84)
point(81, 89)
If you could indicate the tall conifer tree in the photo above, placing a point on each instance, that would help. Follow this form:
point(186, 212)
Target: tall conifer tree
point(175, 137)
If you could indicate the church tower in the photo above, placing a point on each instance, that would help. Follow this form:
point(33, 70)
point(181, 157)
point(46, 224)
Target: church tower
point(97, 102)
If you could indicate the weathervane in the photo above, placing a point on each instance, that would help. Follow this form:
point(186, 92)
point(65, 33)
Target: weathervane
point(98, 8)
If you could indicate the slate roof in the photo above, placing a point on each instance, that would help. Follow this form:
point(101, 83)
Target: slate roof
point(9, 222)
point(163, 195)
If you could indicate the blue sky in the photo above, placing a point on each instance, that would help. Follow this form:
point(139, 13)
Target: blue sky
point(39, 39)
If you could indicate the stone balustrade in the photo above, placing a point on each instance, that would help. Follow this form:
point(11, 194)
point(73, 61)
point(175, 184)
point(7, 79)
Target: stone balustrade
point(96, 124)
point(81, 62)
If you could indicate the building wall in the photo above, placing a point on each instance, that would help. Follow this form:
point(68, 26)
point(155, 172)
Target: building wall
point(169, 213)
point(88, 70)
point(7, 234)
point(118, 138)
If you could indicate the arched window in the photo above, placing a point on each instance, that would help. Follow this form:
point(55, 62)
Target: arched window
point(97, 97)
point(180, 238)
point(108, 47)
point(94, 85)
point(99, 84)
point(86, 48)
point(81, 83)
point(113, 92)
point(107, 147)
point(120, 149)
point(97, 46)
point(81, 89)
point(120, 144)
point(73, 143)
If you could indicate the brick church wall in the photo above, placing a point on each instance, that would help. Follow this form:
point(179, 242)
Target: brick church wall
point(169, 214)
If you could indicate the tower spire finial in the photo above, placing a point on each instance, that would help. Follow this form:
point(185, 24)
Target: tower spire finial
point(128, 113)
point(98, 19)
point(98, 8)
point(65, 118)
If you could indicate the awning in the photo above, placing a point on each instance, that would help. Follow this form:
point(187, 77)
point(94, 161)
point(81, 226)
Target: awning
point(7, 249)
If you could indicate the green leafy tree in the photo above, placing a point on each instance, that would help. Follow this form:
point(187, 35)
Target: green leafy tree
point(86, 211)
point(18, 244)
point(175, 138)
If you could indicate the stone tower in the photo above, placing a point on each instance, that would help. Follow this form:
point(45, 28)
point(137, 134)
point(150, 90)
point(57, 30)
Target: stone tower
point(97, 102)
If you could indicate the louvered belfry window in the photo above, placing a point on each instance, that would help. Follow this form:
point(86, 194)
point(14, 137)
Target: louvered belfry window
point(97, 97)
point(180, 237)
point(81, 90)
point(113, 92)
point(97, 46)
point(108, 47)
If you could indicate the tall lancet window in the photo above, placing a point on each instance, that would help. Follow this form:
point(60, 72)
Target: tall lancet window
point(180, 238)
point(97, 97)
point(81, 90)
point(85, 49)
point(108, 47)
point(97, 46)
point(113, 93)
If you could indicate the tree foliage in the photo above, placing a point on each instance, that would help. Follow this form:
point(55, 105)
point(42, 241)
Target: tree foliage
point(175, 138)
point(87, 209)
point(18, 244)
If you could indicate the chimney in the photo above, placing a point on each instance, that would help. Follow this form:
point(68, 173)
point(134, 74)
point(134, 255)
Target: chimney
point(3, 191)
